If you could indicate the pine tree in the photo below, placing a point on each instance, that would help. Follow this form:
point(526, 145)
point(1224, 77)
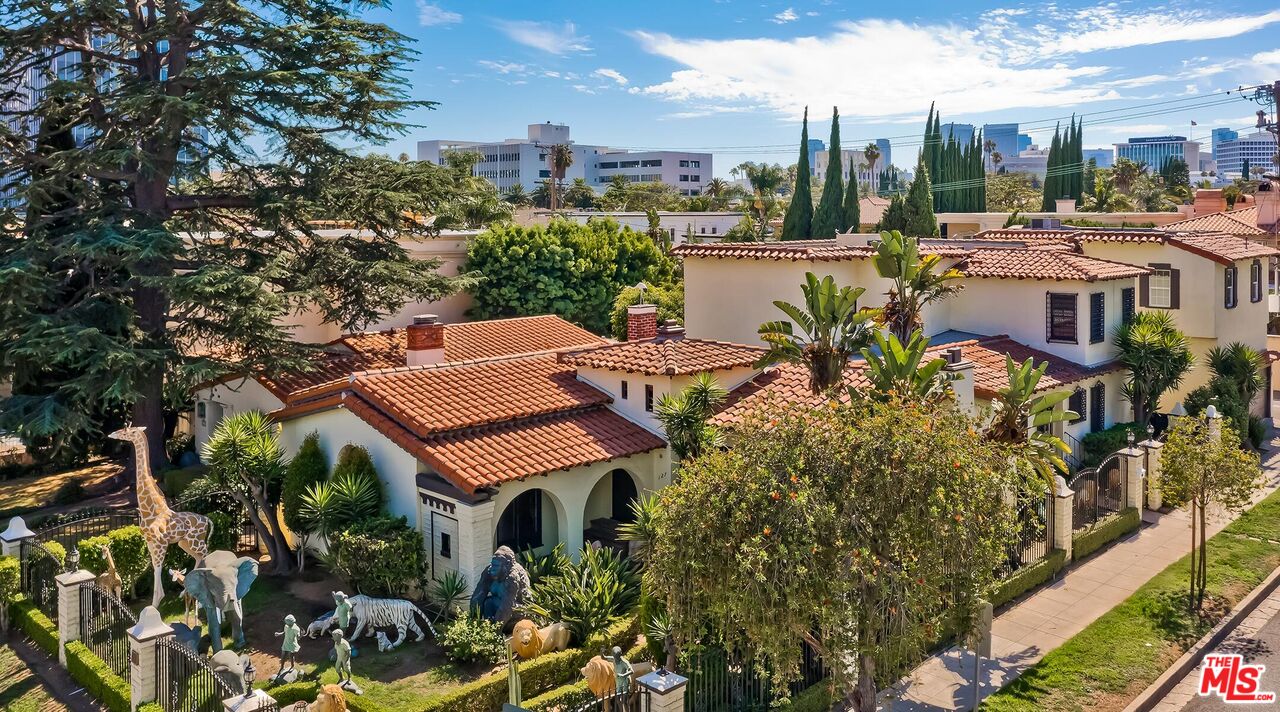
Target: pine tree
point(798, 223)
point(895, 216)
point(829, 217)
point(852, 210)
point(918, 216)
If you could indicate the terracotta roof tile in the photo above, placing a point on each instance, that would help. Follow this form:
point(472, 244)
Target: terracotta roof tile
point(665, 356)
point(1219, 247)
point(1222, 248)
point(811, 250)
point(1044, 264)
point(789, 383)
point(1232, 222)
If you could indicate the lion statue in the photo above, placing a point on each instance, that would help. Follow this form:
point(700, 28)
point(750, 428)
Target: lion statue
point(529, 641)
point(503, 586)
point(600, 676)
point(330, 698)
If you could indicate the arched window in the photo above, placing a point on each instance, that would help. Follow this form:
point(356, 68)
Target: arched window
point(520, 526)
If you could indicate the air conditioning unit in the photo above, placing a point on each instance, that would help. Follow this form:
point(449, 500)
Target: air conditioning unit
point(1046, 223)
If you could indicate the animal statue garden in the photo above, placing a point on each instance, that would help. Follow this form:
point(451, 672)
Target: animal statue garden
point(374, 613)
point(317, 627)
point(109, 580)
point(162, 526)
point(330, 698)
point(230, 666)
point(529, 641)
point(600, 676)
point(218, 587)
point(503, 586)
point(188, 603)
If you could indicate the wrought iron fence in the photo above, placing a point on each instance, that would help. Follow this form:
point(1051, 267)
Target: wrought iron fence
point(1076, 456)
point(1035, 517)
point(38, 568)
point(248, 539)
point(636, 700)
point(104, 624)
point(69, 531)
point(1099, 491)
point(185, 682)
point(723, 682)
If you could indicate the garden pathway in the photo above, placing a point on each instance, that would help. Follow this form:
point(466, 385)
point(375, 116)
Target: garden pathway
point(1026, 631)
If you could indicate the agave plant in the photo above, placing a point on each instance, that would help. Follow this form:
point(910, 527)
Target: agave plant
point(449, 593)
point(540, 567)
point(1019, 414)
point(684, 416)
point(589, 594)
point(833, 330)
point(893, 368)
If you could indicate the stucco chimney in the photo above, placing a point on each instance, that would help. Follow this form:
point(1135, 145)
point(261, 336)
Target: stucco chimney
point(1209, 201)
point(1268, 199)
point(1065, 206)
point(642, 322)
point(426, 341)
point(963, 385)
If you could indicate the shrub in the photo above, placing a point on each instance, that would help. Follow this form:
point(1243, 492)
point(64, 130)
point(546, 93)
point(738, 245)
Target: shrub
point(176, 482)
point(540, 567)
point(473, 639)
point(669, 300)
point(1098, 445)
point(354, 462)
point(204, 495)
point(308, 467)
point(10, 580)
point(1087, 541)
point(97, 678)
point(128, 548)
point(69, 492)
point(179, 445)
point(1028, 578)
point(36, 625)
point(590, 594)
point(379, 556)
point(450, 593)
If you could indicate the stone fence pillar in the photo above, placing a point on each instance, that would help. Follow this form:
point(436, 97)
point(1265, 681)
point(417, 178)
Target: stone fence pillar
point(1153, 448)
point(1215, 421)
point(257, 700)
point(69, 609)
point(1063, 504)
point(1131, 463)
point(666, 690)
point(11, 539)
point(143, 663)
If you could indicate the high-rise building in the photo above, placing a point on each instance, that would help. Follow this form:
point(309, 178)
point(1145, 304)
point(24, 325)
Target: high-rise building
point(1005, 136)
point(851, 163)
point(1024, 142)
point(1259, 149)
point(1219, 136)
point(1155, 150)
point(815, 145)
point(1106, 157)
point(886, 152)
point(524, 161)
point(961, 132)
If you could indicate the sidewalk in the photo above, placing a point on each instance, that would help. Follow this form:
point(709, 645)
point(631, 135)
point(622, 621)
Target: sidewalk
point(1026, 631)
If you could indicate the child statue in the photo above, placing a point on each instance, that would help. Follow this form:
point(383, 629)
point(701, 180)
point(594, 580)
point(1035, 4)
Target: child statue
point(289, 645)
point(342, 609)
point(342, 659)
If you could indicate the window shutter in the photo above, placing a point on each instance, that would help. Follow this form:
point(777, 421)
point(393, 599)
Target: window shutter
point(1076, 404)
point(1097, 407)
point(1230, 277)
point(1255, 281)
point(1144, 283)
point(1097, 317)
point(1127, 307)
point(1175, 288)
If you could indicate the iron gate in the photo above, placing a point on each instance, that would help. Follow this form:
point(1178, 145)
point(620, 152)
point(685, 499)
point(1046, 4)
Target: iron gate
point(104, 624)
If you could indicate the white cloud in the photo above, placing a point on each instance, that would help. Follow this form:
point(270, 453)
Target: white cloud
point(782, 18)
point(1106, 27)
point(1269, 59)
point(584, 88)
point(561, 39)
point(430, 14)
point(612, 74)
point(503, 67)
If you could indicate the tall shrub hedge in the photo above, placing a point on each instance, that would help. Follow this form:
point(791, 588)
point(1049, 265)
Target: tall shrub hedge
point(128, 548)
point(97, 678)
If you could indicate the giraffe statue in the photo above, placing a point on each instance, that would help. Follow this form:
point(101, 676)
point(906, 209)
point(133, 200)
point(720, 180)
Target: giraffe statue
point(162, 526)
point(109, 580)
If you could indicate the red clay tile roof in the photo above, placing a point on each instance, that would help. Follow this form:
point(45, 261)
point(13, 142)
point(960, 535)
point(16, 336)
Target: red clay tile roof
point(433, 399)
point(1218, 247)
point(1221, 248)
point(665, 356)
point(1044, 264)
point(812, 250)
point(466, 341)
point(789, 383)
point(1232, 222)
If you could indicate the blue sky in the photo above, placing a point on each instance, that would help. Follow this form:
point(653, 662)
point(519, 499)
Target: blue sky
point(733, 77)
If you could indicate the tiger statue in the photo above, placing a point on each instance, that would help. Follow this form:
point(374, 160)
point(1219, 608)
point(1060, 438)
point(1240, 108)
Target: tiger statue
point(374, 613)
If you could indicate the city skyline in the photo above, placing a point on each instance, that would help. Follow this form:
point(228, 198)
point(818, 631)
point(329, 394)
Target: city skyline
point(733, 79)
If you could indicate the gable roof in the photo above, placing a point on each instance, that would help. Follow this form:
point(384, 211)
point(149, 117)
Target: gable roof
point(1232, 222)
point(1051, 264)
point(797, 250)
point(789, 383)
point(1219, 247)
point(665, 356)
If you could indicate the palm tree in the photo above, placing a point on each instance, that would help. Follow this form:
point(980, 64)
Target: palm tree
point(765, 178)
point(833, 330)
point(559, 158)
point(996, 159)
point(917, 282)
point(1241, 366)
point(517, 196)
point(716, 189)
point(617, 193)
point(1127, 173)
point(1105, 198)
point(684, 416)
point(872, 152)
point(580, 194)
point(989, 148)
point(895, 369)
point(1156, 355)
point(1019, 414)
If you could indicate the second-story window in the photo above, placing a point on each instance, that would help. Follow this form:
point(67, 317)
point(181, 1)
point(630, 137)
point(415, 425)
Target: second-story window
point(1230, 277)
point(1255, 281)
point(1128, 304)
point(1061, 318)
point(624, 390)
point(648, 398)
point(1160, 289)
point(1097, 317)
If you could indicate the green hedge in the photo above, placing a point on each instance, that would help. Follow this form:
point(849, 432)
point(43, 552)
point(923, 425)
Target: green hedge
point(10, 580)
point(150, 707)
point(287, 694)
point(1029, 578)
point(1087, 541)
point(569, 697)
point(98, 680)
point(817, 698)
point(537, 676)
point(129, 550)
point(176, 481)
point(36, 625)
point(1101, 444)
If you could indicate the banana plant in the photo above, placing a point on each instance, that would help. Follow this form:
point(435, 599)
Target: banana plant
point(832, 329)
point(895, 369)
point(1020, 415)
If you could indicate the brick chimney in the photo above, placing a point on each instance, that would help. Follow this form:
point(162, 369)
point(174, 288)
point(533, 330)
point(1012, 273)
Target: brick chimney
point(642, 322)
point(426, 341)
point(1209, 201)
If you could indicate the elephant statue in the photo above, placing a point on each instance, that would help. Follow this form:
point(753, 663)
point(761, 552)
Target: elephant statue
point(231, 667)
point(218, 586)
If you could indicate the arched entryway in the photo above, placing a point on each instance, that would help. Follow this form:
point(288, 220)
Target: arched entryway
point(530, 521)
point(609, 506)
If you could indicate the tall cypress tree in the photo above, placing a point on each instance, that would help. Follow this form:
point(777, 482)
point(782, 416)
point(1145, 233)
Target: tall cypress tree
point(852, 211)
point(1052, 178)
point(799, 220)
point(829, 218)
point(919, 218)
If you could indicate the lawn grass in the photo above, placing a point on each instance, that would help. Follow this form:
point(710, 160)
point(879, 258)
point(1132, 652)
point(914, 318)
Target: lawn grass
point(20, 689)
point(1125, 650)
point(26, 494)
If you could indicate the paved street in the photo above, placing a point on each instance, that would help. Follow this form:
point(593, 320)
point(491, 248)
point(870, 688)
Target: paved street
point(1258, 640)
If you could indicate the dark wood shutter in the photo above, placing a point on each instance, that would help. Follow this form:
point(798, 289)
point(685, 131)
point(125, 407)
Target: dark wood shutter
point(1175, 288)
point(1060, 318)
point(1255, 281)
point(1097, 407)
point(1127, 306)
point(1230, 287)
point(1076, 404)
point(1097, 317)
point(1144, 285)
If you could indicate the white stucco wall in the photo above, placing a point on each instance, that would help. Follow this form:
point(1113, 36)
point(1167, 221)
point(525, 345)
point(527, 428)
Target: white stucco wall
point(233, 397)
point(632, 407)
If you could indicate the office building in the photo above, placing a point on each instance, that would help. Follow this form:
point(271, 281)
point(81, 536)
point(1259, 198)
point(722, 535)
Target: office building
point(1219, 136)
point(1024, 142)
point(1032, 160)
point(851, 163)
point(1259, 149)
point(960, 132)
point(1105, 157)
point(524, 161)
point(886, 152)
point(815, 145)
point(1005, 136)
point(1155, 150)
